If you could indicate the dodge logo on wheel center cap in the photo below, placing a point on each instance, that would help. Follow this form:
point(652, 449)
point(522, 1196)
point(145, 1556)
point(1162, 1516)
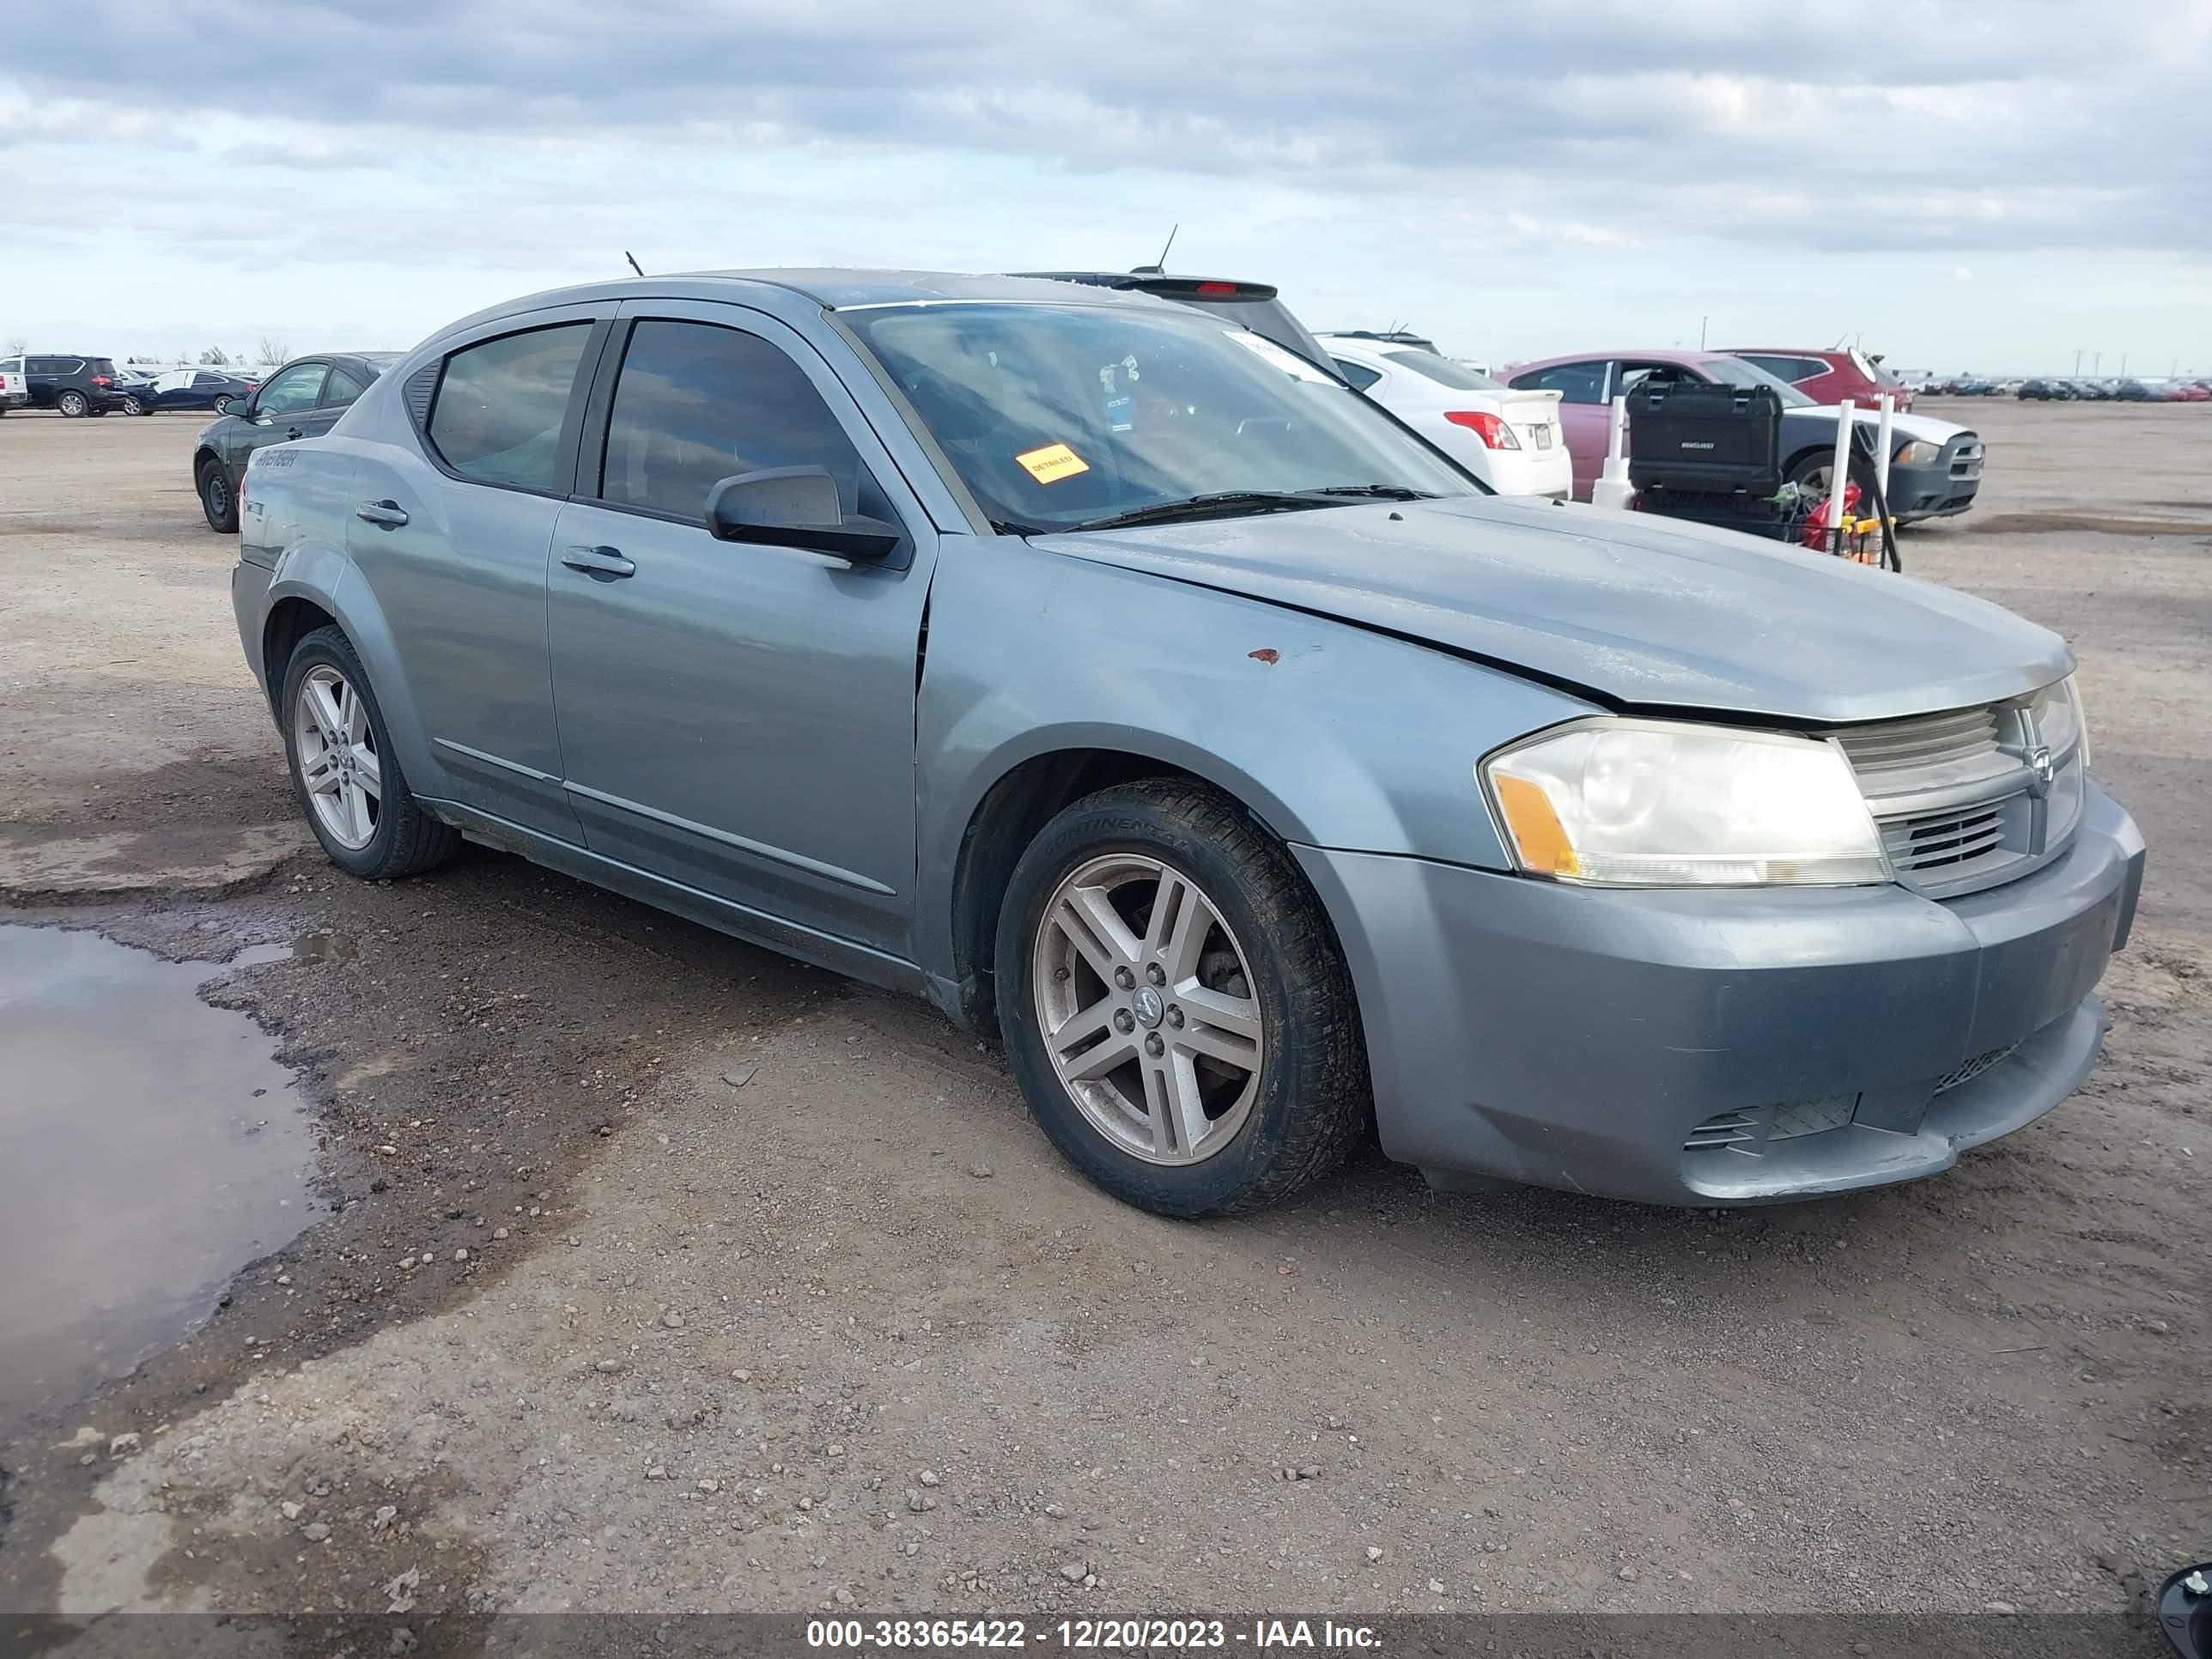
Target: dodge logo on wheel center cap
point(1149, 1006)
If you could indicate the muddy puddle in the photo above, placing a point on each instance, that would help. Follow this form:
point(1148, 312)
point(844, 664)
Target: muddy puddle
point(149, 1147)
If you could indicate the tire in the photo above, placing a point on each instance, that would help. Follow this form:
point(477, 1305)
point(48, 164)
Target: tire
point(217, 500)
point(1257, 1133)
point(72, 402)
point(222, 405)
point(131, 405)
point(401, 838)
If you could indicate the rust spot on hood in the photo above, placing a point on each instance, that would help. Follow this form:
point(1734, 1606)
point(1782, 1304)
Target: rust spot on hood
point(1266, 653)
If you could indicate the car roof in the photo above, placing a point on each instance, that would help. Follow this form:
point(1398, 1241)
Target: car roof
point(832, 289)
point(1669, 355)
point(1834, 358)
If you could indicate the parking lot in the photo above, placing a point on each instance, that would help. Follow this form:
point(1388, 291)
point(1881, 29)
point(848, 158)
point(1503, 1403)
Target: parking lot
point(652, 1272)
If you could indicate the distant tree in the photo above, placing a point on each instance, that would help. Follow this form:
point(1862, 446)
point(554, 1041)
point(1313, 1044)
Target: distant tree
point(17, 346)
point(213, 357)
point(272, 351)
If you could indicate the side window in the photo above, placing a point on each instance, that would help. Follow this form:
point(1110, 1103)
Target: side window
point(1575, 383)
point(1360, 374)
point(298, 387)
point(696, 403)
point(1633, 375)
point(342, 390)
point(500, 405)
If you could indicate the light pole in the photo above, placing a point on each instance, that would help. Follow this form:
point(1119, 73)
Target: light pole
point(2123, 365)
point(2077, 365)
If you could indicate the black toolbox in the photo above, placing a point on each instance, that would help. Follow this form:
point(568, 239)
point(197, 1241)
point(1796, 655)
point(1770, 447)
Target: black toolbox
point(1705, 440)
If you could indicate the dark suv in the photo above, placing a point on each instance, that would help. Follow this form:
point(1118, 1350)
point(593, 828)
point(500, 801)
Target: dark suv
point(75, 385)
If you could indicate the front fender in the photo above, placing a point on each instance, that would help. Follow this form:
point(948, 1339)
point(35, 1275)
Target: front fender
point(1332, 734)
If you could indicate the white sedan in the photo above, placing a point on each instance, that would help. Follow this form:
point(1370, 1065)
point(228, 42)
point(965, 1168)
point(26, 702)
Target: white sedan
point(1509, 440)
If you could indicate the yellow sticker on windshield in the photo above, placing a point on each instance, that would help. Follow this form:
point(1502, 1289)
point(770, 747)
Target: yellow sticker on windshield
point(1053, 463)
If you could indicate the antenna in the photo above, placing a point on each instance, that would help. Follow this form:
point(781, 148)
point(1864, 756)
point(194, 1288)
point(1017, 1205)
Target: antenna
point(634, 265)
point(1159, 264)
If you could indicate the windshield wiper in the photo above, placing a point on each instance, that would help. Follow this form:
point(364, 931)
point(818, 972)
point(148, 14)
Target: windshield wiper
point(1380, 492)
point(1220, 503)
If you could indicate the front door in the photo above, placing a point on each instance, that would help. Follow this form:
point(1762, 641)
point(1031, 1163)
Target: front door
point(737, 718)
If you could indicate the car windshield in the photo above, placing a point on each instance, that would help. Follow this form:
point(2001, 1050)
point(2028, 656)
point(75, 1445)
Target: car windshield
point(1444, 372)
point(1061, 418)
point(1734, 371)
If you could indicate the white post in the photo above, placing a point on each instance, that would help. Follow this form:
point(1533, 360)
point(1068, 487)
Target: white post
point(1881, 455)
point(1840, 475)
point(1612, 488)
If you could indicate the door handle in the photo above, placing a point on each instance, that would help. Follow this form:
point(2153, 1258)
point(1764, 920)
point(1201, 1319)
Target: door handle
point(292, 435)
point(389, 514)
point(606, 562)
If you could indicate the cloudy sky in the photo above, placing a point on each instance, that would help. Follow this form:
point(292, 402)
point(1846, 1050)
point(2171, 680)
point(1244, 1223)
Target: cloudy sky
point(1987, 185)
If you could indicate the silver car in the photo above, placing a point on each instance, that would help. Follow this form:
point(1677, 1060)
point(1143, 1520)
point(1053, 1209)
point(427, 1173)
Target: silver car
point(1147, 699)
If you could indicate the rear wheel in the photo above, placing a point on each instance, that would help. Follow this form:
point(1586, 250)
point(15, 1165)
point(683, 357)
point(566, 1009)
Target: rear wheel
point(348, 780)
point(72, 402)
point(223, 404)
point(1176, 1009)
point(216, 499)
point(132, 406)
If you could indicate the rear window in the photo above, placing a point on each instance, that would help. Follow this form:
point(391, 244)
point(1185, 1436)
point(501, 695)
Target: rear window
point(1575, 383)
point(1444, 372)
point(102, 366)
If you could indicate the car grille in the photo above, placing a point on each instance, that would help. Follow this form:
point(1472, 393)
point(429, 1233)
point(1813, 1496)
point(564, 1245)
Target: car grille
point(1905, 747)
point(1974, 1067)
point(1956, 796)
point(1966, 458)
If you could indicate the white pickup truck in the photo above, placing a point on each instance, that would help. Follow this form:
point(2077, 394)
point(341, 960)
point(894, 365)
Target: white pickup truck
point(15, 385)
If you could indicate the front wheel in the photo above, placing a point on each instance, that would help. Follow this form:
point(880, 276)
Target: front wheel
point(348, 780)
point(72, 404)
point(131, 405)
point(1176, 1008)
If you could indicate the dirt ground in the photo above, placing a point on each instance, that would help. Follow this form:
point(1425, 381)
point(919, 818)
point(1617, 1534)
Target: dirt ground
point(847, 1335)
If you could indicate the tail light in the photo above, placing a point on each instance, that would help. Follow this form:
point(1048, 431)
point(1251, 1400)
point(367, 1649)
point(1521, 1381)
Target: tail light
point(101, 380)
point(1491, 429)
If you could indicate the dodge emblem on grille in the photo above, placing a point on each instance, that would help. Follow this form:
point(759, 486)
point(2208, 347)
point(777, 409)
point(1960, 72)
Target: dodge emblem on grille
point(2038, 761)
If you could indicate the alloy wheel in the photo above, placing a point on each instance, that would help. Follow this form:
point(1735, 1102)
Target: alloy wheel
point(337, 750)
point(222, 405)
point(1146, 1004)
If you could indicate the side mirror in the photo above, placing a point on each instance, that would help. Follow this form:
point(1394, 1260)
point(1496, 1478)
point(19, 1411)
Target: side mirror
point(795, 506)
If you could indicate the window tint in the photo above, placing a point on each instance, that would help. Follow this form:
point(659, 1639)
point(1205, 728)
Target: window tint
point(11, 365)
point(53, 365)
point(342, 390)
point(298, 387)
point(500, 405)
point(1360, 374)
point(696, 404)
point(1575, 383)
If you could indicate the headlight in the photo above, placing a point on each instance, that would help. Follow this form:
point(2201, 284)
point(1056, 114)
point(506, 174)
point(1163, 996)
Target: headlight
point(1652, 803)
point(2060, 725)
point(1916, 451)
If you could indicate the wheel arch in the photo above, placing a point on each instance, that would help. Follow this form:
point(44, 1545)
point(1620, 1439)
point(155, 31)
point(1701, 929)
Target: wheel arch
point(318, 587)
point(1025, 796)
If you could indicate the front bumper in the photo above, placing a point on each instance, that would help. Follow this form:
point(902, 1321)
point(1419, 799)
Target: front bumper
point(1945, 486)
point(1580, 1038)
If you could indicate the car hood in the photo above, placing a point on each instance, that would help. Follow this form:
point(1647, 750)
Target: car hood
point(1634, 610)
point(1910, 426)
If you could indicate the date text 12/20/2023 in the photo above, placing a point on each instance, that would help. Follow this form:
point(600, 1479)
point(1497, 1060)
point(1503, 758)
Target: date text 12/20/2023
point(1108, 1635)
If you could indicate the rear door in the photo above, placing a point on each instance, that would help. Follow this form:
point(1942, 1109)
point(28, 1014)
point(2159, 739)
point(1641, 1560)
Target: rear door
point(738, 718)
point(451, 532)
